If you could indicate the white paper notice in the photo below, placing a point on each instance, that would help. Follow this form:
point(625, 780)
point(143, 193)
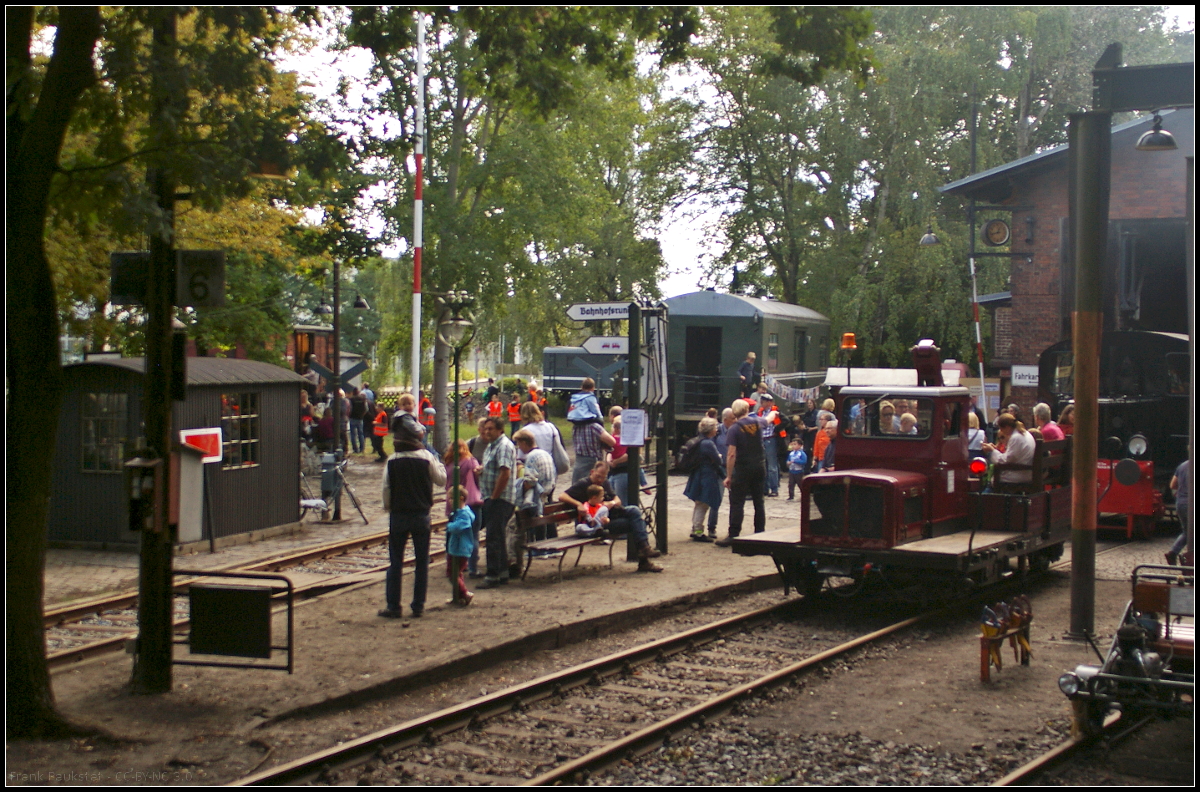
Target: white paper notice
point(633, 427)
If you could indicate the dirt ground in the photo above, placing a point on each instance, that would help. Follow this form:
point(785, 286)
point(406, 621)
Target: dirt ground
point(924, 687)
point(218, 725)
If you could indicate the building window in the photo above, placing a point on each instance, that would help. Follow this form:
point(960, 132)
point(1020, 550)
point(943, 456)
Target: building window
point(104, 432)
point(240, 430)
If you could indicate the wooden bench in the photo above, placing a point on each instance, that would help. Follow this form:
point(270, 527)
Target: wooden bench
point(554, 515)
point(1051, 467)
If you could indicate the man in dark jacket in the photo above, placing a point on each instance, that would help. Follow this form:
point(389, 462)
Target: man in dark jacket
point(746, 467)
point(408, 481)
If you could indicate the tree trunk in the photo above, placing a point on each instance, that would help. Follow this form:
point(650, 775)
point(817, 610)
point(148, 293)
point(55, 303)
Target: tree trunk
point(34, 369)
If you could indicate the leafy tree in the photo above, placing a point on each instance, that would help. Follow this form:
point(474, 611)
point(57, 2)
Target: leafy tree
point(490, 65)
point(591, 184)
point(829, 179)
point(40, 104)
point(220, 112)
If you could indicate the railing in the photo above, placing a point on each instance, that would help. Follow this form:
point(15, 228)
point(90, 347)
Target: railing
point(695, 393)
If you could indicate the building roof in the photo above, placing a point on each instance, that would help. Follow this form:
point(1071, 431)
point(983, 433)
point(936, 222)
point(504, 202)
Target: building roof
point(209, 371)
point(993, 184)
point(713, 303)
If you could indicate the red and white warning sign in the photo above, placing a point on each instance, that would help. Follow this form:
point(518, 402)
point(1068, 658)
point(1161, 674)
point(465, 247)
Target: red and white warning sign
point(207, 441)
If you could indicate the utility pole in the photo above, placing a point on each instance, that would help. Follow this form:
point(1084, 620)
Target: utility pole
point(152, 663)
point(1088, 169)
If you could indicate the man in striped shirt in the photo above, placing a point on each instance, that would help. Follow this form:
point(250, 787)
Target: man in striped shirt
point(499, 485)
point(591, 444)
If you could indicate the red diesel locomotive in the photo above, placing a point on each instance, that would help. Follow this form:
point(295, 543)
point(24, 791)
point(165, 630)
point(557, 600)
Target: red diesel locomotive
point(903, 508)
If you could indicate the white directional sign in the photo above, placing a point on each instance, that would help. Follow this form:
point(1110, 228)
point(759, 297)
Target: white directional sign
point(607, 345)
point(594, 312)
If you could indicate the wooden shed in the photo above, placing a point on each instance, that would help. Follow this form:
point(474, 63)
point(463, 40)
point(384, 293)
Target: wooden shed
point(256, 486)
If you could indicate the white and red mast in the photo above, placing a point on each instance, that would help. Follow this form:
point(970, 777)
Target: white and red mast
point(418, 207)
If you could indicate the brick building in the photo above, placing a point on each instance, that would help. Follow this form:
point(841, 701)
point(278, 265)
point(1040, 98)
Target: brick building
point(1145, 267)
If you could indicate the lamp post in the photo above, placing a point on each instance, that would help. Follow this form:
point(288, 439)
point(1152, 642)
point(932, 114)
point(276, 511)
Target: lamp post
point(456, 330)
point(336, 384)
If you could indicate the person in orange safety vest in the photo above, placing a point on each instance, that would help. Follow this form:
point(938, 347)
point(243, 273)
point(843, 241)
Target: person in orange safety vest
point(382, 427)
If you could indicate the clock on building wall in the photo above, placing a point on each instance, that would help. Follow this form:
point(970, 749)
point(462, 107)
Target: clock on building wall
point(996, 233)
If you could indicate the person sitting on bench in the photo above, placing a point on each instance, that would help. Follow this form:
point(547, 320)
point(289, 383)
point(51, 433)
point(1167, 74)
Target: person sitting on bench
point(622, 519)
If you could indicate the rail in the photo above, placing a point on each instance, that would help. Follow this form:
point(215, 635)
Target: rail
point(611, 669)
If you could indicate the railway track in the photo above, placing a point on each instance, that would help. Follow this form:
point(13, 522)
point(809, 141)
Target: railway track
point(563, 727)
point(1123, 753)
point(102, 625)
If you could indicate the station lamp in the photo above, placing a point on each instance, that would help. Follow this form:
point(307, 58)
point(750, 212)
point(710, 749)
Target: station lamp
point(930, 238)
point(1157, 139)
point(456, 330)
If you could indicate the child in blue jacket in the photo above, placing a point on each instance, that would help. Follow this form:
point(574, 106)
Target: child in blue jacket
point(585, 407)
point(796, 462)
point(460, 543)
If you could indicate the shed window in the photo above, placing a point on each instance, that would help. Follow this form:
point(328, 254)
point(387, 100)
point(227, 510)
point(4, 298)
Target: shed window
point(104, 431)
point(240, 430)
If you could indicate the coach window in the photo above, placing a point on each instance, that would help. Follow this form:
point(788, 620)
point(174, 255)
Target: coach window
point(773, 352)
point(240, 430)
point(103, 434)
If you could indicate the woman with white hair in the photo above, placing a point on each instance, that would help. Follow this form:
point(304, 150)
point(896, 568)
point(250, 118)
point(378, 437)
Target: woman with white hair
point(704, 485)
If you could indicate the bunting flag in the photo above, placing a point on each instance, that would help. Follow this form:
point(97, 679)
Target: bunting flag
point(788, 393)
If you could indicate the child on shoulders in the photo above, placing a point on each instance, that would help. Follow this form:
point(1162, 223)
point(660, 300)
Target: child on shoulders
point(585, 407)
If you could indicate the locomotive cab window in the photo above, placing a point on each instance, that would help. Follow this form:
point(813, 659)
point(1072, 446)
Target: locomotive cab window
point(899, 417)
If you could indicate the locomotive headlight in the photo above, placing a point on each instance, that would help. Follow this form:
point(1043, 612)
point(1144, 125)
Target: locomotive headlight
point(1138, 445)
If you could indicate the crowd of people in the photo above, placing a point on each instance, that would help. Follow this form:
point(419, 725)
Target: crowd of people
point(489, 479)
point(742, 450)
point(740, 453)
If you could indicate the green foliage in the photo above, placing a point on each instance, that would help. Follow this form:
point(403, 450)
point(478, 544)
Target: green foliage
point(827, 184)
point(512, 385)
point(532, 54)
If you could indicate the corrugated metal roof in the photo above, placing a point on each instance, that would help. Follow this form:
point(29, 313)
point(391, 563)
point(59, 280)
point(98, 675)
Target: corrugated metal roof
point(210, 371)
point(978, 180)
point(713, 303)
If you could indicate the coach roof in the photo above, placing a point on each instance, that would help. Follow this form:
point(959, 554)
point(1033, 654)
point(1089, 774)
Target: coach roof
point(712, 303)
